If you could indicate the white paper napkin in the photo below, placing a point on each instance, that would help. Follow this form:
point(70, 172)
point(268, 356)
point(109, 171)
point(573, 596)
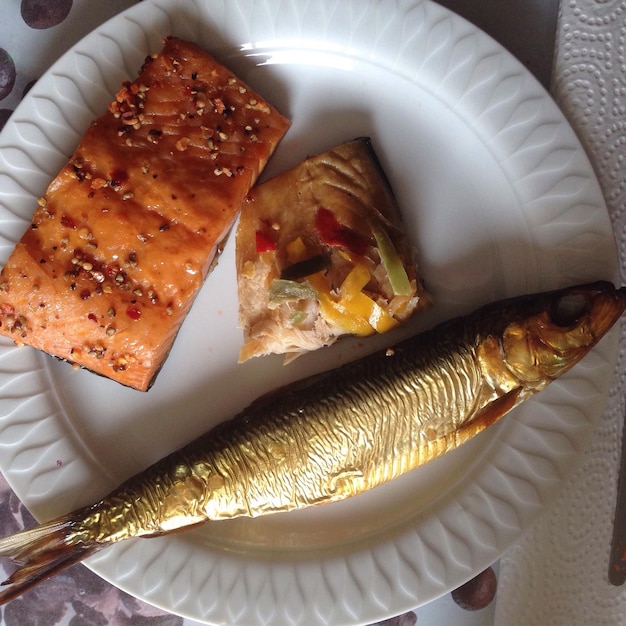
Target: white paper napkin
point(558, 573)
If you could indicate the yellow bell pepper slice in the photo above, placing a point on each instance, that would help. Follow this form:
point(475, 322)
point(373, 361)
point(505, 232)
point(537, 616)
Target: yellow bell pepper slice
point(337, 312)
point(375, 315)
point(296, 250)
point(345, 318)
point(354, 282)
point(353, 311)
point(352, 297)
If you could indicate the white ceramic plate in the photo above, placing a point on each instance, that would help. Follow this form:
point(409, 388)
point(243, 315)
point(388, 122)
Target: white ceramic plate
point(499, 199)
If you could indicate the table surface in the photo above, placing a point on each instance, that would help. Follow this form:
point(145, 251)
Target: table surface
point(36, 33)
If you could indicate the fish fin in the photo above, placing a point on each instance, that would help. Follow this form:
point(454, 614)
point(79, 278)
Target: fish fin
point(41, 552)
point(489, 414)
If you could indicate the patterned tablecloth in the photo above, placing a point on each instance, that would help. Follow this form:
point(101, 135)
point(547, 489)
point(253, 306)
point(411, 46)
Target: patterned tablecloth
point(557, 573)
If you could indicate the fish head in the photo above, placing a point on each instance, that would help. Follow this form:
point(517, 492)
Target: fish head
point(559, 330)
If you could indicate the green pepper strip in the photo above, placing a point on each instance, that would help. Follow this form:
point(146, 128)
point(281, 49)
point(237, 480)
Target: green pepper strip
point(400, 283)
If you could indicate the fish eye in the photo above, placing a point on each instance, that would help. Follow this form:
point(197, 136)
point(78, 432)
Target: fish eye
point(567, 310)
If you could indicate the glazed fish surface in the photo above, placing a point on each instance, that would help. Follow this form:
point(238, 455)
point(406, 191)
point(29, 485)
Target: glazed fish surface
point(126, 233)
point(338, 434)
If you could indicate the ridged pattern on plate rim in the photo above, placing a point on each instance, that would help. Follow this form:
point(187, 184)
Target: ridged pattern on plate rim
point(550, 174)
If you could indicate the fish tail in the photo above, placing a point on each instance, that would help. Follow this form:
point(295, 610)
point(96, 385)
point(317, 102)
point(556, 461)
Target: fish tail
point(41, 552)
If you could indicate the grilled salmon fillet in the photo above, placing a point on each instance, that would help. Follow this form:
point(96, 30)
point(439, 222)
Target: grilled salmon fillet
point(321, 253)
point(124, 236)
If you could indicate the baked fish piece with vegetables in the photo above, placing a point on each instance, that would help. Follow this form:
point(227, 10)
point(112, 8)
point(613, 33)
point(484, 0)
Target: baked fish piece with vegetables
point(340, 433)
point(321, 253)
point(125, 235)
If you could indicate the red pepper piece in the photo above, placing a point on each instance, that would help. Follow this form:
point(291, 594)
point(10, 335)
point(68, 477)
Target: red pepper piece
point(68, 222)
point(118, 178)
point(333, 233)
point(264, 243)
point(133, 312)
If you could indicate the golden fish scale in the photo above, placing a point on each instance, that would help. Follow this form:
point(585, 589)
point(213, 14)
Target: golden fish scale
point(352, 429)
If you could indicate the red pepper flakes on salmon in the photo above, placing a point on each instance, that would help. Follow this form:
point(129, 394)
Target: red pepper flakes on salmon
point(135, 219)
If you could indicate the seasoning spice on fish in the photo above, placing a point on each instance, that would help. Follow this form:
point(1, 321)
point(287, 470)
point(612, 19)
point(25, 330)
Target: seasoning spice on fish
point(141, 181)
point(341, 433)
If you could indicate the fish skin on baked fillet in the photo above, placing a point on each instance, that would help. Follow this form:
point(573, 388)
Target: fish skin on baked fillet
point(322, 252)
